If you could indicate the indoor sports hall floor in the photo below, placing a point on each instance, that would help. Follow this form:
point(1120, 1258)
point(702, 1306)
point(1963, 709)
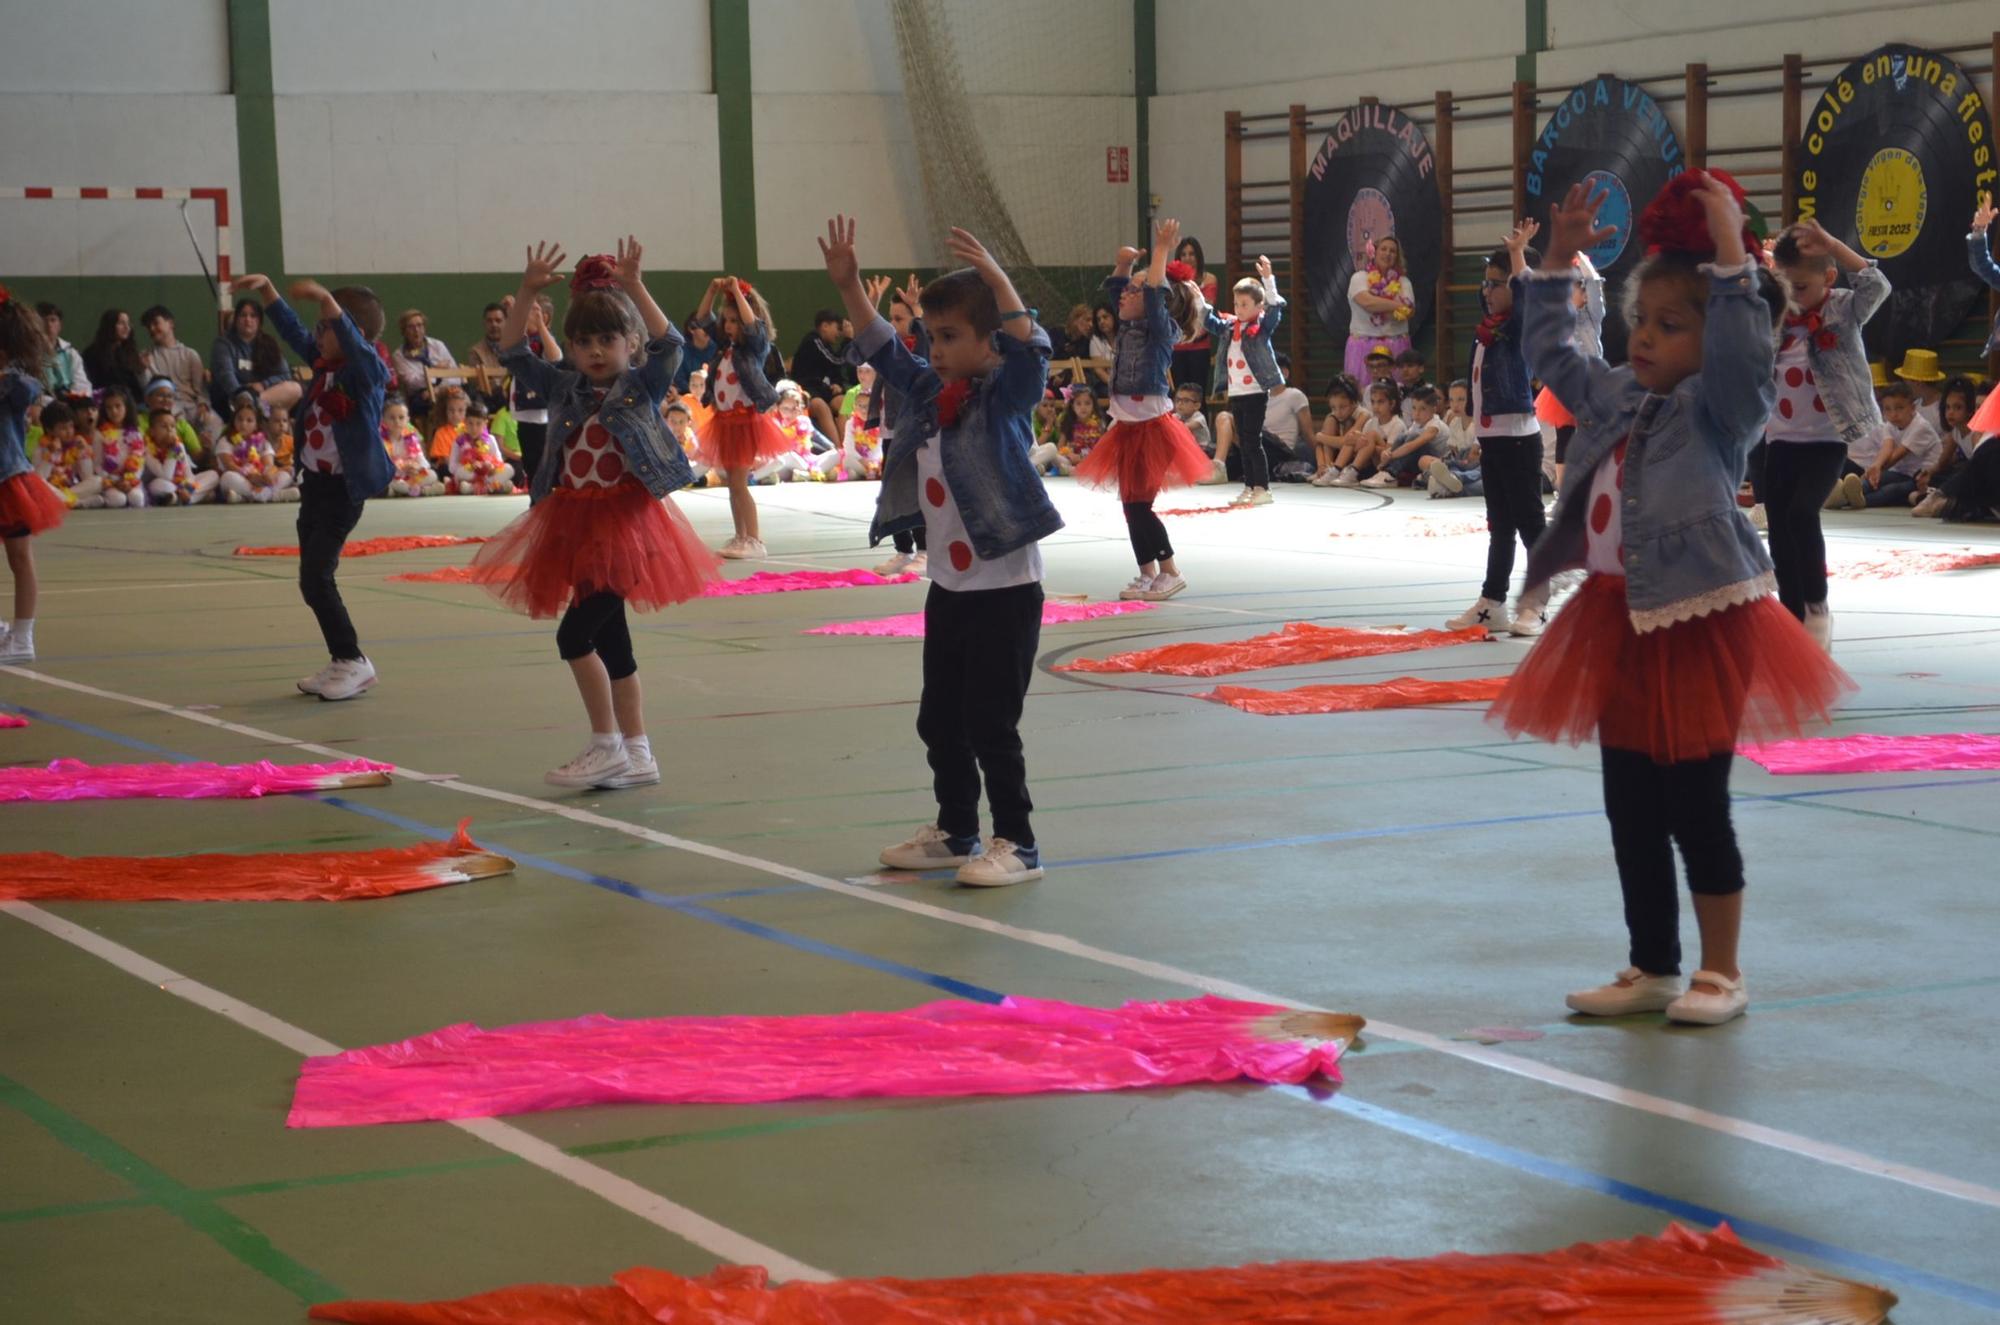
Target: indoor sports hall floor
point(1411, 866)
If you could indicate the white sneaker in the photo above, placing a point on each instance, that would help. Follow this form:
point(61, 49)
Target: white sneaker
point(1136, 589)
point(1002, 863)
point(1704, 1009)
point(312, 685)
point(1631, 991)
point(1163, 587)
point(1381, 478)
point(920, 564)
point(1931, 506)
point(14, 649)
point(754, 550)
point(1758, 520)
point(1444, 482)
point(930, 848)
point(1241, 499)
point(1349, 477)
point(1819, 625)
point(592, 767)
point(1259, 497)
point(895, 565)
point(1485, 613)
point(346, 679)
point(736, 549)
point(1528, 614)
point(636, 774)
point(1324, 479)
point(1218, 473)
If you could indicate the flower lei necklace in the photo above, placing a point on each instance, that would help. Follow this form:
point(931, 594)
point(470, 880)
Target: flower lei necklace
point(1389, 285)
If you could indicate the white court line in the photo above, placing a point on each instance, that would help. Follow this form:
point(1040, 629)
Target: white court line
point(1806, 1147)
point(627, 1195)
point(149, 586)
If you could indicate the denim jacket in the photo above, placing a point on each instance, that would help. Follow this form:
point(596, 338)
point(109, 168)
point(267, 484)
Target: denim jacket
point(364, 377)
point(747, 357)
point(1986, 269)
point(1841, 373)
point(882, 399)
point(1258, 342)
point(1503, 381)
point(630, 412)
point(18, 390)
point(984, 456)
point(1689, 548)
point(1142, 360)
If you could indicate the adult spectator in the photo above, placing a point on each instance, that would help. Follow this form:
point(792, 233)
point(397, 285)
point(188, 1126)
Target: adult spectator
point(64, 373)
point(1192, 358)
point(246, 363)
point(419, 352)
point(112, 357)
point(821, 371)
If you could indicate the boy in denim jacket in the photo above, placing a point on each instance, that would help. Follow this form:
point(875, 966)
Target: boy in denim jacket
point(958, 464)
point(1247, 372)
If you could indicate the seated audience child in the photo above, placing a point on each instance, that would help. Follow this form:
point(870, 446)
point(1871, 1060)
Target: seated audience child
point(121, 451)
point(1380, 433)
point(1411, 373)
point(67, 460)
point(1187, 408)
point(1342, 428)
point(452, 404)
point(248, 464)
point(171, 478)
point(478, 469)
point(1423, 439)
point(405, 445)
point(1456, 472)
point(1882, 469)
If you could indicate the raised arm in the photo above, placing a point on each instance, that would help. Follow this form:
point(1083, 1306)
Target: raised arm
point(1978, 249)
point(1870, 286)
point(1517, 241)
point(290, 330)
point(1738, 351)
point(543, 269)
point(875, 341)
point(1584, 384)
point(1015, 320)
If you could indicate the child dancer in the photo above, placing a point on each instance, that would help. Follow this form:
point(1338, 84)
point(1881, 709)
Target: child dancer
point(121, 451)
point(959, 463)
point(28, 506)
point(66, 460)
point(906, 317)
point(1979, 254)
point(1248, 372)
point(1825, 404)
point(1148, 448)
point(340, 427)
point(1675, 646)
point(1588, 302)
point(247, 463)
point(405, 446)
point(171, 478)
point(477, 467)
point(741, 436)
point(600, 531)
point(1510, 441)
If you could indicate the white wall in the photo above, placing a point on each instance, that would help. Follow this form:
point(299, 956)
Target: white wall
point(1242, 48)
point(115, 46)
point(1050, 86)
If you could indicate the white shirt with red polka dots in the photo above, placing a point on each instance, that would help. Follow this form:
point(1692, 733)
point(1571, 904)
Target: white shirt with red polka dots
point(953, 564)
point(1139, 409)
point(317, 453)
point(591, 458)
point(1242, 382)
point(1604, 526)
point(1496, 425)
point(729, 393)
point(1800, 414)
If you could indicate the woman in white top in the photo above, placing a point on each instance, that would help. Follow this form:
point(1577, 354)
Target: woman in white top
point(1381, 302)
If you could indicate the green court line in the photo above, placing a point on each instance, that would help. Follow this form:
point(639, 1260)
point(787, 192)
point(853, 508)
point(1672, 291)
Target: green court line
point(198, 1211)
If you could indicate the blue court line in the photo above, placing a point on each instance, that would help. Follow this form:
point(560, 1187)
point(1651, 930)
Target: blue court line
point(1436, 1133)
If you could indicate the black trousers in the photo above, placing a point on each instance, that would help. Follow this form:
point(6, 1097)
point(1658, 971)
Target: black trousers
point(1798, 478)
point(1149, 533)
point(1654, 807)
point(534, 437)
point(910, 540)
point(327, 515)
point(1511, 470)
point(1248, 411)
point(979, 654)
point(597, 625)
point(1193, 366)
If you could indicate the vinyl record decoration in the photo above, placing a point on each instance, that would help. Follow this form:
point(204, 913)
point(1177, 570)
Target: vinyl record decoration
point(1612, 137)
point(1894, 152)
point(1374, 175)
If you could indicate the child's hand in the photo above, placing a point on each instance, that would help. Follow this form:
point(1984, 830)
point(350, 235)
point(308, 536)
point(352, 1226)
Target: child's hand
point(1263, 268)
point(258, 285)
point(967, 249)
point(1725, 219)
point(1166, 232)
point(544, 266)
point(307, 290)
point(913, 296)
point(837, 250)
point(875, 287)
point(629, 253)
point(1983, 215)
point(1128, 257)
point(537, 323)
point(1573, 227)
point(1812, 239)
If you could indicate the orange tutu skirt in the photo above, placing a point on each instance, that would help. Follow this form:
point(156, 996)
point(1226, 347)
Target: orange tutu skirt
point(28, 505)
point(1987, 417)
point(1681, 693)
point(741, 438)
point(582, 541)
point(1550, 410)
point(1140, 460)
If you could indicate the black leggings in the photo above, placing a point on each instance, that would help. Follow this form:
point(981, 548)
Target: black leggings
point(1248, 411)
point(327, 515)
point(597, 625)
point(534, 437)
point(1511, 470)
point(1798, 478)
point(1149, 535)
point(910, 540)
point(1653, 807)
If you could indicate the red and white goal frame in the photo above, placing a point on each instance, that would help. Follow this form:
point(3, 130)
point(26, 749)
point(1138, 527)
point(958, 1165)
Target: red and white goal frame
point(218, 197)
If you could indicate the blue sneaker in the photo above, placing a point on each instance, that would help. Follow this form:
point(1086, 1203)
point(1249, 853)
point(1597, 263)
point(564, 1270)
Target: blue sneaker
point(931, 848)
point(1002, 863)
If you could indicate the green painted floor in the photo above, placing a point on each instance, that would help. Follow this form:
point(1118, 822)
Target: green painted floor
point(1411, 866)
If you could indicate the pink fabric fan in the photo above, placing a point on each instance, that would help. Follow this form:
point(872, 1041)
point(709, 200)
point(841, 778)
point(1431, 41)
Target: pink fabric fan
point(1929, 752)
point(74, 780)
point(911, 624)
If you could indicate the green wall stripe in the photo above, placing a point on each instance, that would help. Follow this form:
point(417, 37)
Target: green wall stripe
point(1537, 39)
point(250, 78)
point(1145, 86)
point(729, 67)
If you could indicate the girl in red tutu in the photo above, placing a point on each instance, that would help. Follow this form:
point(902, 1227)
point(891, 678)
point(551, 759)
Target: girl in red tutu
point(740, 436)
point(601, 530)
point(1148, 448)
point(1676, 643)
point(28, 506)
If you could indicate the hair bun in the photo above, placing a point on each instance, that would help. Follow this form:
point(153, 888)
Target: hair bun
point(1676, 222)
point(596, 271)
point(1180, 271)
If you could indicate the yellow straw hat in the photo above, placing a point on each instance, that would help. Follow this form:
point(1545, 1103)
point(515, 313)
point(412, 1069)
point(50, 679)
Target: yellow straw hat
point(1878, 374)
point(1920, 366)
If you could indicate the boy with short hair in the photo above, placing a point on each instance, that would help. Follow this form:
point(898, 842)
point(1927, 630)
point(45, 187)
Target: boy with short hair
point(958, 464)
point(64, 375)
point(1882, 469)
point(1247, 372)
point(1423, 440)
point(1411, 375)
point(185, 366)
point(340, 455)
point(1926, 382)
point(163, 392)
point(1187, 408)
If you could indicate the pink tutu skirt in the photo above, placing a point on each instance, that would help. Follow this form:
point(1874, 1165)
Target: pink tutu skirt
point(582, 541)
point(741, 438)
point(28, 505)
point(1681, 693)
point(1138, 461)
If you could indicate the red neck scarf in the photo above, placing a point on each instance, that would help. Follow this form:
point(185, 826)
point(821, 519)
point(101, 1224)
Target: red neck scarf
point(951, 400)
point(1236, 332)
point(1489, 327)
point(1813, 326)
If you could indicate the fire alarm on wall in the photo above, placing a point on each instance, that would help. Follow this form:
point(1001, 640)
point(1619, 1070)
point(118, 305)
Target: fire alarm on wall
point(1117, 165)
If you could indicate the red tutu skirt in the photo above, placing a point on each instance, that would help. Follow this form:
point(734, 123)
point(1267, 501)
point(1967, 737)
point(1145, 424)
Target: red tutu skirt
point(1138, 461)
point(28, 505)
point(1987, 417)
point(582, 541)
point(1681, 693)
point(741, 438)
point(1550, 410)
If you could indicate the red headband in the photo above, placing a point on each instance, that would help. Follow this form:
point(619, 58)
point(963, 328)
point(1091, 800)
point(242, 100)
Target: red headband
point(1675, 221)
point(597, 271)
point(1179, 271)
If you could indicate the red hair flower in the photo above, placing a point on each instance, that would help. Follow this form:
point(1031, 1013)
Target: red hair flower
point(1675, 221)
point(595, 271)
point(1178, 271)
point(5, 294)
point(745, 285)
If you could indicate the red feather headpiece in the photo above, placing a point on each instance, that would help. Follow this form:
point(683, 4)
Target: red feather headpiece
point(596, 271)
point(1179, 271)
point(1675, 221)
